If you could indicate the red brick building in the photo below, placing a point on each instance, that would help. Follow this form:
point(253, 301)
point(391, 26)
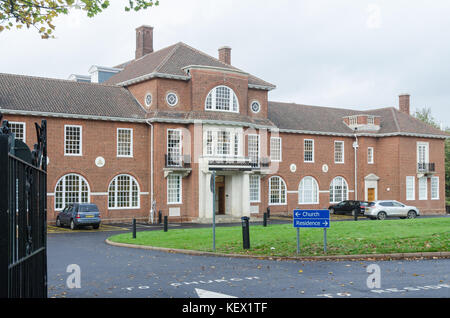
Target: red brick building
point(152, 130)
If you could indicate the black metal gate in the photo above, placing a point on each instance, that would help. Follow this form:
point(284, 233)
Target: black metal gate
point(23, 215)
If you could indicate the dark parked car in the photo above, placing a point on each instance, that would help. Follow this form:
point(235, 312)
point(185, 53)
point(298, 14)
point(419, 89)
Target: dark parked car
point(349, 207)
point(79, 214)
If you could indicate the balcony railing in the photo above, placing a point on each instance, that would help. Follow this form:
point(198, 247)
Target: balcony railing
point(425, 167)
point(177, 161)
point(258, 163)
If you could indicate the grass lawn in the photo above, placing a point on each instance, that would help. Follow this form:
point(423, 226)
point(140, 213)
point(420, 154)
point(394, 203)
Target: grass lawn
point(360, 237)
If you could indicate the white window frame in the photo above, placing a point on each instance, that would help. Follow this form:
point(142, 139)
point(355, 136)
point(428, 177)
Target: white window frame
point(24, 128)
point(426, 153)
point(423, 188)
point(282, 200)
point(333, 192)
point(130, 206)
point(131, 143)
point(370, 120)
point(353, 120)
point(211, 145)
point(80, 191)
point(312, 150)
point(213, 94)
point(179, 189)
point(171, 150)
point(276, 149)
point(253, 152)
point(80, 141)
point(314, 191)
point(410, 188)
point(255, 189)
point(343, 151)
point(434, 184)
point(370, 155)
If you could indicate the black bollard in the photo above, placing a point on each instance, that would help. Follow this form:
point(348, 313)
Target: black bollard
point(268, 212)
point(265, 219)
point(159, 217)
point(355, 214)
point(165, 223)
point(134, 228)
point(245, 232)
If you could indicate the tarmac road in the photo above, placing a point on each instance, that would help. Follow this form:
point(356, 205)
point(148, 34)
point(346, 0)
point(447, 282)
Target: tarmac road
point(119, 272)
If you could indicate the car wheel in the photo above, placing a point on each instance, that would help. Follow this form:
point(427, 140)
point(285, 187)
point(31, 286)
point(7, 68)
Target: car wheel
point(411, 214)
point(72, 225)
point(95, 227)
point(58, 222)
point(381, 215)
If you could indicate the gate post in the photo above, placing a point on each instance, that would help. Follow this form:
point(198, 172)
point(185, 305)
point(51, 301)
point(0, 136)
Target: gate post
point(4, 202)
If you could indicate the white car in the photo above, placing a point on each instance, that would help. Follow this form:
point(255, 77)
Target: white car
point(382, 209)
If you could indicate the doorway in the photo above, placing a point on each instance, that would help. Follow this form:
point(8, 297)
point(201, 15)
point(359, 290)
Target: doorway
point(371, 194)
point(220, 195)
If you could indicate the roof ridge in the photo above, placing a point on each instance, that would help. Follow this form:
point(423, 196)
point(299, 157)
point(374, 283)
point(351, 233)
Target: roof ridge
point(330, 107)
point(168, 56)
point(394, 115)
point(59, 80)
point(210, 56)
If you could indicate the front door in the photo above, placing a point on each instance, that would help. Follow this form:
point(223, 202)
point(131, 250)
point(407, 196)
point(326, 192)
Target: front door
point(371, 194)
point(221, 200)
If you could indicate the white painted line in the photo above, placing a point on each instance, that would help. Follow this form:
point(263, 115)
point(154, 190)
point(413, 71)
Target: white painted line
point(209, 294)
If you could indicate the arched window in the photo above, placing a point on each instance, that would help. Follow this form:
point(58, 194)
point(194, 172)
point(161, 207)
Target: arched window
point(308, 191)
point(222, 98)
point(338, 190)
point(123, 192)
point(71, 188)
point(277, 190)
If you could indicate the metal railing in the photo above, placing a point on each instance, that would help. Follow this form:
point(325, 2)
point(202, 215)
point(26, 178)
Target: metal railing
point(177, 161)
point(425, 167)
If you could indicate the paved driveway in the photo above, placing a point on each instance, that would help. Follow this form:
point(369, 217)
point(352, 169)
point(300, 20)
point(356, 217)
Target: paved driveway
point(108, 271)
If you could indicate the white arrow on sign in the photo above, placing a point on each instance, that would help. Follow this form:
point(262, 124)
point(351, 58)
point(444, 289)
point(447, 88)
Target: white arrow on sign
point(209, 294)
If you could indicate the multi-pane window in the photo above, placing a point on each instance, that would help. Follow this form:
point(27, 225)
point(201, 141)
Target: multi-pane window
point(124, 142)
point(423, 188)
point(410, 188)
point(253, 148)
point(308, 146)
point(370, 120)
point(174, 189)
point(277, 191)
point(173, 147)
point(434, 188)
point(222, 98)
point(71, 188)
point(275, 148)
point(209, 143)
point(254, 182)
point(338, 190)
point(370, 155)
point(72, 140)
point(308, 191)
point(422, 152)
point(18, 129)
point(339, 152)
point(223, 142)
point(123, 192)
point(353, 120)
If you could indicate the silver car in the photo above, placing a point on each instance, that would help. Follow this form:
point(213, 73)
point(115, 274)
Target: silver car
point(382, 209)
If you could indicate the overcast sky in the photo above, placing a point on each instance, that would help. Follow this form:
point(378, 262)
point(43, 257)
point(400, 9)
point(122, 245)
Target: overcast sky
point(353, 54)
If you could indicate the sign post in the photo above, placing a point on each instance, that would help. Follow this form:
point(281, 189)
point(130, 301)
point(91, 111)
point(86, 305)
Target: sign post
point(311, 219)
point(213, 190)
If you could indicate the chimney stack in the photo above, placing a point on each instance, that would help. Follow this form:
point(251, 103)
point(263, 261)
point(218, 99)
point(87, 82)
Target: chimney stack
point(403, 103)
point(144, 40)
point(225, 54)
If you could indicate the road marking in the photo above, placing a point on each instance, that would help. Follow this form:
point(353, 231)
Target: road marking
point(210, 294)
point(103, 228)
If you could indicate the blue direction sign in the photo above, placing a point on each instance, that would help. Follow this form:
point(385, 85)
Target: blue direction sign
point(312, 218)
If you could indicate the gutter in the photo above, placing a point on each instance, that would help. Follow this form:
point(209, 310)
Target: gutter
point(151, 172)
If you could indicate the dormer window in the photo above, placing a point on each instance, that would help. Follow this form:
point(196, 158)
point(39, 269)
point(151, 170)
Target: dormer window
point(222, 98)
point(353, 120)
point(370, 120)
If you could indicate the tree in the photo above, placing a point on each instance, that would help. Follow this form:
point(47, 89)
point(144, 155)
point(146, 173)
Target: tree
point(40, 13)
point(424, 114)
